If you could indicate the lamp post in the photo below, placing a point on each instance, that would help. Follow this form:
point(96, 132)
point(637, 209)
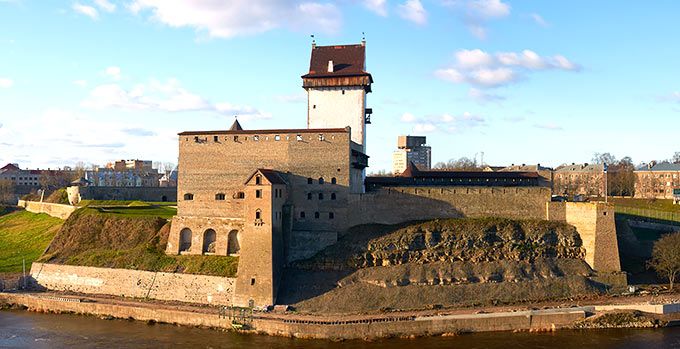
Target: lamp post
point(604, 171)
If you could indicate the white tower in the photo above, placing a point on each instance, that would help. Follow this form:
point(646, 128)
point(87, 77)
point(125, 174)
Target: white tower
point(336, 85)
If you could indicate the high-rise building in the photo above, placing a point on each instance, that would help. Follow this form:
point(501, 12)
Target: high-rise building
point(411, 149)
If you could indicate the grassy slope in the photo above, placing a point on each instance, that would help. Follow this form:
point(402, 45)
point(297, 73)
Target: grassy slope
point(124, 237)
point(24, 234)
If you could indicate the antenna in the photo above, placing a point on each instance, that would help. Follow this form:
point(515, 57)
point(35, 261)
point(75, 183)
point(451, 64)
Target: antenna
point(313, 40)
point(363, 36)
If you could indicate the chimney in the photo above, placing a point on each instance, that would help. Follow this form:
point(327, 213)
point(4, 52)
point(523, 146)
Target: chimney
point(363, 43)
point(313, 46)
point(330, 66)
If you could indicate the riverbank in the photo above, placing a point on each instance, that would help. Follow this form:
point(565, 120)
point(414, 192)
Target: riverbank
point(356, 326)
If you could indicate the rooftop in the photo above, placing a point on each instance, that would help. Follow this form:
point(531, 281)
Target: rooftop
point(659, 167)
point(347, 60)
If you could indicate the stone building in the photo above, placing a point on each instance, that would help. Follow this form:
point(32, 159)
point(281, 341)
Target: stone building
point(412, 149)
point(580, 179)
point(545, 173)
point(125, 173)
point(655, 180)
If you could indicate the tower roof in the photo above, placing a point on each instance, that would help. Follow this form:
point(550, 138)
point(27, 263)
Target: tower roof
point(347, 60)
point(236, 126)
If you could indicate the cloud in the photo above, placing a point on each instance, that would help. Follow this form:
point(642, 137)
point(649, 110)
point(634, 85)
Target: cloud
point(484, 97)
point(482, 69)
point(137, 131)
point(475, 14)
point(539, 20)
point(81, 83)
point(377, 6)
point(105, 5)
point(673, 97)
point(0, 124)
point(227, 19)
point(293, 98)
point(112, 72)
point(166, 97)
point(86, 10)
point(6, 83)
point(444, 122)
point(413, 11)
point(549, 126)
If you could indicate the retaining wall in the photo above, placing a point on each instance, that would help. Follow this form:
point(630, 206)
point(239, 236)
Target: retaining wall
point(134, 283)
point(54, 210)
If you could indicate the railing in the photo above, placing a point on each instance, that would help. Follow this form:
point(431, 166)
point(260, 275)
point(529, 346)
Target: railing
point(650, 215)
point(240, 317)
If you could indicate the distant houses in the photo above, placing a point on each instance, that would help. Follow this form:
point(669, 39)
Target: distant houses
point(657, 180)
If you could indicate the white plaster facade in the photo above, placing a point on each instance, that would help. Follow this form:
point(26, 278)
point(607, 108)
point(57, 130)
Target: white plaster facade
point(338, 107)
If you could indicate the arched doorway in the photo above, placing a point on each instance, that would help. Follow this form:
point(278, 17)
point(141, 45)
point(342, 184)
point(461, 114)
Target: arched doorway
point(209, 238)
point(185, 240)
point(233, 246)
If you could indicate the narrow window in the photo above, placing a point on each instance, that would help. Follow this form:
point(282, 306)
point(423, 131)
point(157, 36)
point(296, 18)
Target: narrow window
point(299, 138)
point(332, 196)
point(320, 196)
point(256, 138)
point(314, 106)
point(277, 138)
point(188, 196)
point(331, 215)
point(216, 139)
point(252, 281)
point(220, 196)
point(309, 181)
point(258, 214)
point(302, 214)
point(240, 195)
point(320, 180)
point(343, 92)
point(321, 137)
point(316, 214)
point(333, 180)
point(258, 193)
point(309, 196)
point(258, 180)
point(235, 138)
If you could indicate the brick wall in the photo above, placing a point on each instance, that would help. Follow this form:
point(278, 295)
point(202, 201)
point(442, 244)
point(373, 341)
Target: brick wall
point(54, 210)
point(166, 286)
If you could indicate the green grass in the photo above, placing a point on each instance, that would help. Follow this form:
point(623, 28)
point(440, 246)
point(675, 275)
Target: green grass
point(24, 234)
point(166, 212)
point(89, 203)
point(651, 204)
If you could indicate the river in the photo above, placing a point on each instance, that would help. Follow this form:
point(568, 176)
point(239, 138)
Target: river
point(20, 329)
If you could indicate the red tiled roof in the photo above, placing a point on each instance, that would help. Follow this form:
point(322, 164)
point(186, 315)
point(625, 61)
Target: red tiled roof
point(348, 60)
point(9, 167)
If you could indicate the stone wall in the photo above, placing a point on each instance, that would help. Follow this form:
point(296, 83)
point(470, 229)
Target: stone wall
point(595, 223)
point(156, 194)
point(196, 228)
point(54, 210)
point(401, 204)
point(134, 283)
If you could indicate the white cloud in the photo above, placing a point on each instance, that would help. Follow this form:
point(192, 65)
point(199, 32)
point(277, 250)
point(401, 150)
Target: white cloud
point(483, 69)
point(549, 126)
point(444, 122)
point(482, 96)
point(424, 128)
point(86, 10)
point(413, 11)
point(539, 20)
point(113, 73)
point(408, 118)
point(81, 83)
point(293, 98)
point(166, 97)
point(377, 6)
point(475, 14)
point(673, 97)
point(105, 5)
point(226, 19)
point(6, 83)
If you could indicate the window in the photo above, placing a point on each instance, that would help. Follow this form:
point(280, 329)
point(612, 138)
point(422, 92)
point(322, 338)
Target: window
point(277, 138)
point(188, 196)
point(320, 196)
point(256, 138)
point(302, 214)
point(258, 214)
point(332, 196)
point(314, 106)
point(258, 180)
point(309, 181)
point(299, 138)
point(309, 196)
point(321, 137)
point(343, 92)
point(258, 193)
point(252, 281)
point(220, 196)
point(331, 215)
point(320, 180)
point(235, 138)
point(333, 180)
point(216, 139)
point(240, 195)
point(316, 215)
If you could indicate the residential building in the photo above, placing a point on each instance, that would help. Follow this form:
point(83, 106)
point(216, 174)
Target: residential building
point(545, 173)
point(656, 180)
point(412, 149)
point(580, 179)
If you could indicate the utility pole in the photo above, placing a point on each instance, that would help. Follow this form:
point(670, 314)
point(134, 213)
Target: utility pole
point(23, 261)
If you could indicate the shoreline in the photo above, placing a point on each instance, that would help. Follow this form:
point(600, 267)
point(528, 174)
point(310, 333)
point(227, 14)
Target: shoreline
point(355, 326)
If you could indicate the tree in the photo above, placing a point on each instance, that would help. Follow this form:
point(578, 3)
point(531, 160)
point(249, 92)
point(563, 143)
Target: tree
point(604, 158)
point(666, 257)
point(7, 191)
point(464, 163)
point(676, 157)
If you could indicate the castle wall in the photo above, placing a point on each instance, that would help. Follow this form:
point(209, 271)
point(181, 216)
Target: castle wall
point(198, 227)
point(134, 283)
point(154, 194)
point(341, 106)
point(401, 204)
point(54, 210)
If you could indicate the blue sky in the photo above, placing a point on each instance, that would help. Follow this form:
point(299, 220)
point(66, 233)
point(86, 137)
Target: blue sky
point(522, 81)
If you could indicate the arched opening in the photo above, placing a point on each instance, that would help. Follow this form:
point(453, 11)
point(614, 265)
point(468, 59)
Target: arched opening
point(233, 245)
point(320, 180)
point(185, 240)
point(334, 181)
point(188, 196)
point(333, 197)
point(164, 198)
point(209, 238)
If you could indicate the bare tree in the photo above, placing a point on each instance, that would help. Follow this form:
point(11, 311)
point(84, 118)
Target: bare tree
point(666, 257)
point(6, 191)
point(676, 157)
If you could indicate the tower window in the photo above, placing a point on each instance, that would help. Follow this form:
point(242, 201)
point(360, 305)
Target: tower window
point(277, 138)
point(320, 196)
point(258, 214)
point(333, 180)
point(316, 215)
point(321, 138)
point(332, 196)
point(314, 106)
point(331, 215)
point(320, 180)
point(309, 181)
point(343, 92)
point(188, 196)
point(309, 196)
point(240, 195)
point(302, 214)
point(220, 196)
point(252, 281)
point(216, 139)
point(235, 138)
point(256, 138)
point(299, 138)
point(258, 193)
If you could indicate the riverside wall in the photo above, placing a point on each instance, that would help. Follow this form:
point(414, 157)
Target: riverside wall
point(310, 327)
point(54, 210)
point(134, 283)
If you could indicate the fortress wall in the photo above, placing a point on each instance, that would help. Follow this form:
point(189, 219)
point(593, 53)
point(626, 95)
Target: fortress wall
point(54, 210)
point(166, 286)
point(401, 204)
point(76, 194)
point(198, 226)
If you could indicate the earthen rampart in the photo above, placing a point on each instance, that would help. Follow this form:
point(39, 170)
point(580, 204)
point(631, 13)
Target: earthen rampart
point(134, 283)
point(54, 210)
point(154, 194)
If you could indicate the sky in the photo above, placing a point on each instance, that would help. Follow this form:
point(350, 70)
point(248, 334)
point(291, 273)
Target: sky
point(547, 82)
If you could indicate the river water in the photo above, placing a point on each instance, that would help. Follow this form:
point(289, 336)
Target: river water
point(20, 329)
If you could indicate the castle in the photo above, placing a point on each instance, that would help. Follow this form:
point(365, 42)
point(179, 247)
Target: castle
point(275, 196)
